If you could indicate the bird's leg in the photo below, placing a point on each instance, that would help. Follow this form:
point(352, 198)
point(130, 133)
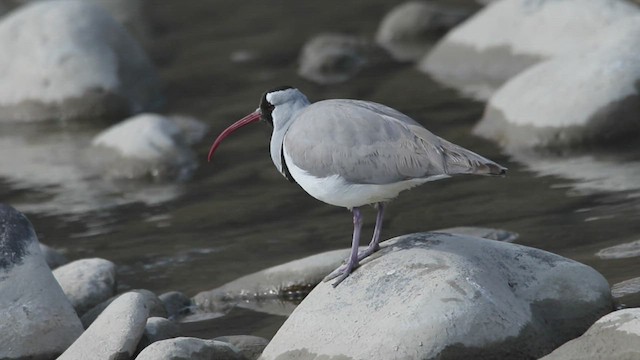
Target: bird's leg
point(352, 262)
point(375, 240)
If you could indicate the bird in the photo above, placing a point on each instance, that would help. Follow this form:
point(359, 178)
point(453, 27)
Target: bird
point(355, 153)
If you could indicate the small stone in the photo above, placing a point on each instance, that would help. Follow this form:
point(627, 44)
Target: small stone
point(157, 329)
point(115, 333)
point(36, 319)
point(87, 282)
point(176, 303)
point(249, 346)
point(411, 28)
point(616, 336)
point(185, 348)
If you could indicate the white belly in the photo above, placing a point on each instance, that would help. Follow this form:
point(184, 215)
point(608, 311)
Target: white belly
point(335, 190)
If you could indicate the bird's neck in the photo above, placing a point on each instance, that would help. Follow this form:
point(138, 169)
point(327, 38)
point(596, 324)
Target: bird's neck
point(284, 116)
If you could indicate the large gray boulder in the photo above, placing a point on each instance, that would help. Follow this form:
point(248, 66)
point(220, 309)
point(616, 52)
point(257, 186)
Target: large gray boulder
point(87, 64)
point(36, 319)
point(115, 333)
point(508, 36)
point(614, 337)
point(589, 98)
point(87, 282)
point(463, 297)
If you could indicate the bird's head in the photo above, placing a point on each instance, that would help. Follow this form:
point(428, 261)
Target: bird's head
point(276, 107)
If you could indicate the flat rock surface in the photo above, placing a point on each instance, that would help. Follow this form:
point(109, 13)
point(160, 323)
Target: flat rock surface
point(444, 296)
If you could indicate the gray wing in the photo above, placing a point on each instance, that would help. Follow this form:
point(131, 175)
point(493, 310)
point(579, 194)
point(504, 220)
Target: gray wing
point(369, 143)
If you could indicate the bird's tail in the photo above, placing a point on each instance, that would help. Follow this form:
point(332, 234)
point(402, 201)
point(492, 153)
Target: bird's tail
point(459, 160)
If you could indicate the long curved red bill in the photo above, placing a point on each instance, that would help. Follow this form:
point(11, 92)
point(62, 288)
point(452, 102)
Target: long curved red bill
point(251, 118)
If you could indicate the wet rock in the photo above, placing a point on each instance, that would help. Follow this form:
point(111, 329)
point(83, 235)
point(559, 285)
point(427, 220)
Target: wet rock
point(625, 288)
point(485, 233)
point(185, 348)
point(621, 251)
point(614, 337)
point(509, 36)
point(594, 104)
point(265, 290)
point(36, 319)
point(157, 329)
point(176, 303)
point(334, 58)
point(87, 282)
point(53, 257)
point(89, 66)
point(152, 303)
point(148, 145)
point(249, 346)
point(115, 333)
point(410, 29)
point(464, 297)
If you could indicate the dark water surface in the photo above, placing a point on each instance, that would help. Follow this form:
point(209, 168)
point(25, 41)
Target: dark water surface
point(239, 215)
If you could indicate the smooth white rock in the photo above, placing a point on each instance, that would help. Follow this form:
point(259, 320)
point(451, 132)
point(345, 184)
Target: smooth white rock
point(444, 296)
point(614, 337)
point(186, 348)
point(36, 319)
point(158, 328)
point(87, 282)
point(588, 98)
point(152, 302)
point(508, 36)
point(115, 333)
point(626, 288)
point(411, 28)
point(71, 59)
point(148, 145)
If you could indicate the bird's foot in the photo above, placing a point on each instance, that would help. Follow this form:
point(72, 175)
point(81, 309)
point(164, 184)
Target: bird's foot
point(341, 273)
point(367, 252)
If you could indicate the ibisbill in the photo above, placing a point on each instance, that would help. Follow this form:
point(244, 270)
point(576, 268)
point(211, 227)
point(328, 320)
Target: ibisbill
point(352, 153)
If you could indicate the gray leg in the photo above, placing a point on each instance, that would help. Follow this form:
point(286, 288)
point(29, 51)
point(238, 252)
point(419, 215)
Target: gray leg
point(343, 272)
point(375, 241)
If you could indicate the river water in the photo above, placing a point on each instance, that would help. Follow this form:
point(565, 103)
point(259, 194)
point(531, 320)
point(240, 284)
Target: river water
point(238, 215)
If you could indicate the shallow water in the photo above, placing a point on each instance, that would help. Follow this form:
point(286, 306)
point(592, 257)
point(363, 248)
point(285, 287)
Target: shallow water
point(238, 215)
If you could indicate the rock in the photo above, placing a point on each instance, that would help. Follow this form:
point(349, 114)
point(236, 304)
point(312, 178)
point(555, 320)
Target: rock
point(411, 28)
point(185, 348)
point(115, 333)
point(621, 251)
point(485, 233)
point(152, 302)
point(625, 288)
point(36, 319)
point(334, 58)
point(249, 346)
point(614, 337)
point(148, 145)
point(509, 36)
point(89, 66)
point(53, 257)
point(176, 303)
point(87, 282)
point(265, 290)
point(594, 104)
point(157, 329)
point(464, 297)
